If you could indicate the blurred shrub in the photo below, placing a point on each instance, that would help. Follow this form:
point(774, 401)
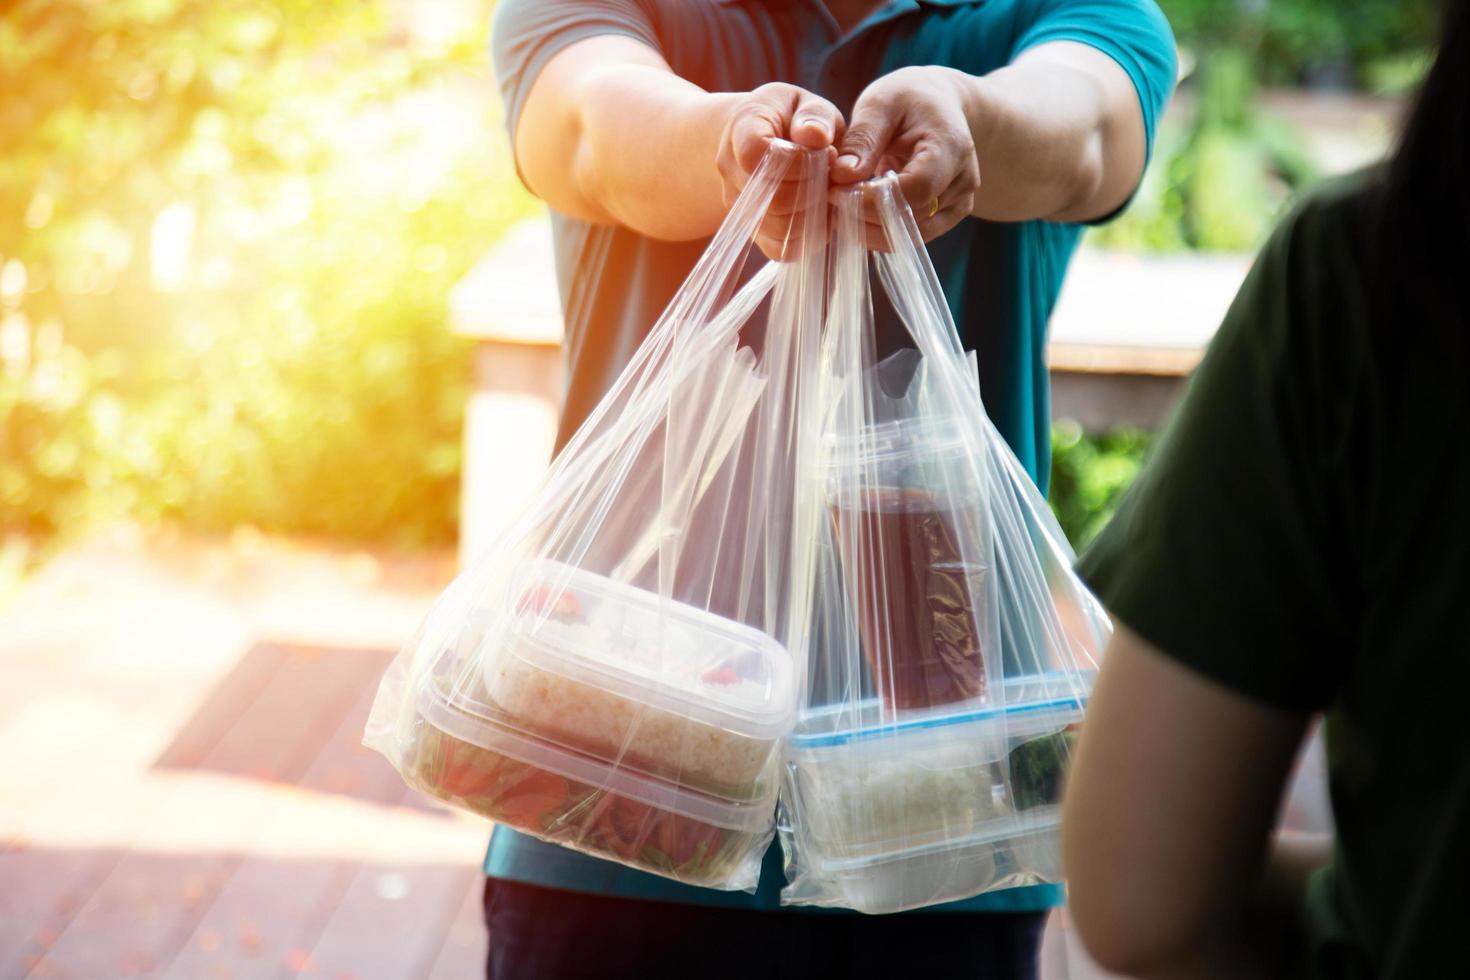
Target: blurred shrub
point(63, 441)
point(223, 291)
point(1221, 184)
point(1330, 42)
point(1089, 472)
point(1221, 181)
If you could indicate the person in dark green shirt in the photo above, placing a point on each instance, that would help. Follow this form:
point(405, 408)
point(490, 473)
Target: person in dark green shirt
point(1010, 122)
point(1300, 544)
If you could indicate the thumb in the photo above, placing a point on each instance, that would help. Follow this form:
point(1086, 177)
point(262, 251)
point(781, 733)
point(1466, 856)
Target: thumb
point(873, 125)
point(816, 123)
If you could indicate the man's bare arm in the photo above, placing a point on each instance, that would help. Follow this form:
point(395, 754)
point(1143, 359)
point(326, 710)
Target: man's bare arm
point(1057, 135)
point(610, 134)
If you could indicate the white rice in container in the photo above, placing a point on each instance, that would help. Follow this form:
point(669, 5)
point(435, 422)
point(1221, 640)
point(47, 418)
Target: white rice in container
point(859, 802)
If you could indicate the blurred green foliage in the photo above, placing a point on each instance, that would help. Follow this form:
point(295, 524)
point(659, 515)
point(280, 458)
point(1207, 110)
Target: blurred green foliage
point(1089, 472)
point(228, 231)
point(1294, 42)
point(227, 236)
point(1220, 182)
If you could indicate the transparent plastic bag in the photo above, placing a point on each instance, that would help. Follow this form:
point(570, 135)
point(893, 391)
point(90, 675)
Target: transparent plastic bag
point(615, 674)
point(951, 646)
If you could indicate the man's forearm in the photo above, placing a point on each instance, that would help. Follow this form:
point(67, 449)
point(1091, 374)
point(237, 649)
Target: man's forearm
point(1057, 135)
point(609, 134)
point(645, 151)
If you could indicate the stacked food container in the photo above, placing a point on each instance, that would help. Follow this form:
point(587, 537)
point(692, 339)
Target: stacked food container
point(609, 719)
point(943, 687)
point(896, 812)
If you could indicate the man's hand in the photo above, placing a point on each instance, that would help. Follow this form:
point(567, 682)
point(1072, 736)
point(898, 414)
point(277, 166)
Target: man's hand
point(773, 111)
point(913, 121)
point(1057, 135)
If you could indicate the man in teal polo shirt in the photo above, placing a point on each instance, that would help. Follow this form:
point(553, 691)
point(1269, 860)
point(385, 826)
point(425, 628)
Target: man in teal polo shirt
point(1010, 122)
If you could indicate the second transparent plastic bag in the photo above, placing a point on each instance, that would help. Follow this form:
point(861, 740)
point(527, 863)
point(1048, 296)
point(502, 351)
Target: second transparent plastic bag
point(615, 674)
point(951, 646)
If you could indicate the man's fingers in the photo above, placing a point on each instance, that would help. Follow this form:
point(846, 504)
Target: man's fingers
point(875, 237)
point(794, 195)
point(957, 194)
point(942, 221)
point(778, 228)
point(732, 178)
point(874, 121)
point(780, 236)
point(778, 244)
point(752, 132)
point(816, 123)
point(926, 175)
point(807, 120)
point(776, 110)
point(955, 203)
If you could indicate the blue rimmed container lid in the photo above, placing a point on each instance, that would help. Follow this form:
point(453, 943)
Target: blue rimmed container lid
point(1033, 705)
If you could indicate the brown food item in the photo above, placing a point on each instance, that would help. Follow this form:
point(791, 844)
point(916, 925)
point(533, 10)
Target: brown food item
point(911, 589)
point(566, 811)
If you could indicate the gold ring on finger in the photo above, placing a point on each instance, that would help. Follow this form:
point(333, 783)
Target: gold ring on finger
point(933, 208)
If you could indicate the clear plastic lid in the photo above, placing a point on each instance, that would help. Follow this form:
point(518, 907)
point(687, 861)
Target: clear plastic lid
point(667, 655)
point(1026, 828)
point(1033, 705)
point(436, 707)
point(893, 443)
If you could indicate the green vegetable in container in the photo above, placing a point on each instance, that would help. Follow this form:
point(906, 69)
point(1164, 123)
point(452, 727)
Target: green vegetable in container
point(1038, 768)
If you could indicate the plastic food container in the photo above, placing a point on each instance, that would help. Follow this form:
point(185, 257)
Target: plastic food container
point(584, 803)
point(604, 718)
point(930, 809)
point(931, 876)
point(654, 685)
point(906, 514)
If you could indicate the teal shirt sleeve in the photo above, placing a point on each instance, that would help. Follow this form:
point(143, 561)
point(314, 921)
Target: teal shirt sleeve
point(1134, 33)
